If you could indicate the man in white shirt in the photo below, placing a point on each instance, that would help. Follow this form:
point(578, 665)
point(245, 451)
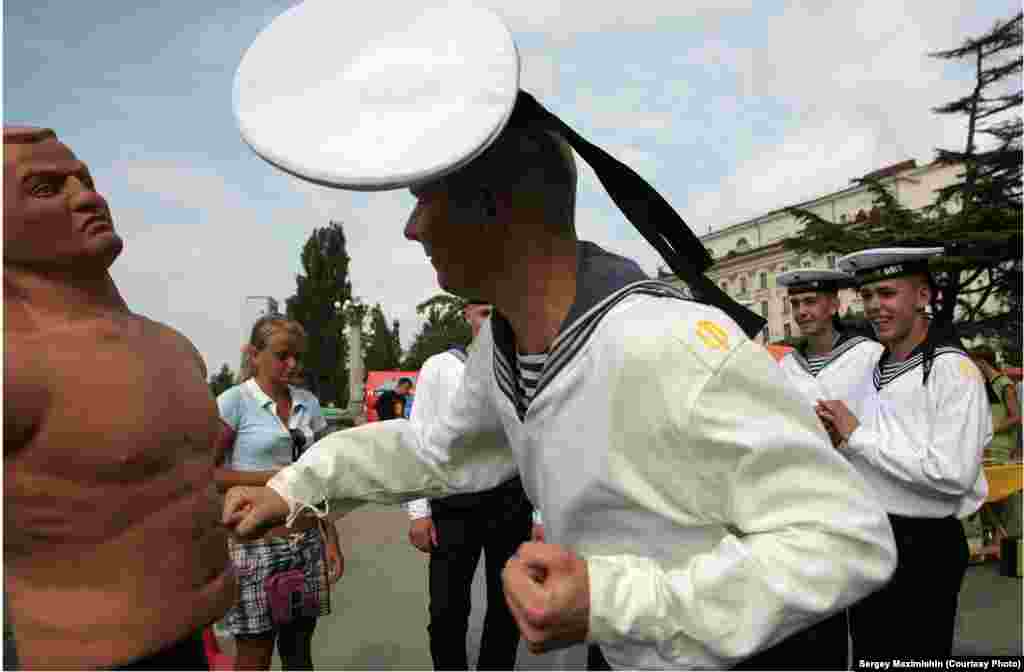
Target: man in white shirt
point(696, 512)
point(918, 442)
point(455, 530)
point(828, 365)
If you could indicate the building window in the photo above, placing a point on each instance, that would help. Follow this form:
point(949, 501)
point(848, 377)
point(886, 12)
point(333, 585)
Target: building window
point(787, 330)
point(743, 285)
point(782, 269)
point(831, 261)
point(742, 245)
point(764, 309)
point(725, 287)
point(785, 305)
point(807, 264)
point(764, 280)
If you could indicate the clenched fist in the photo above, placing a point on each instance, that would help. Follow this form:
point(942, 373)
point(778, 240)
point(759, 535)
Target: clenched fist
point(251, 511)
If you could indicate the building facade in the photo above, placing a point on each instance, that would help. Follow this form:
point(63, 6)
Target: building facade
point(749, 255)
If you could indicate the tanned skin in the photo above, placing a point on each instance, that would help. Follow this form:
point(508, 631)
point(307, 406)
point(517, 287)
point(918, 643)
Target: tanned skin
point(112, 544)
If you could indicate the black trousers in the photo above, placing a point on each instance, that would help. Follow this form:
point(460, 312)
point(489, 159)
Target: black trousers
point(914, 615)
point(823, 646)
point(495, 522)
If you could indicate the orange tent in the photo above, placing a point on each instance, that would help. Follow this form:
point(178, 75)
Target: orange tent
point(778, 351)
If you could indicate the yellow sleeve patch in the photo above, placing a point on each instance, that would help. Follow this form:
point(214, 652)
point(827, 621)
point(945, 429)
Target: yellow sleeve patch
point(970, 371)
point(712, 335)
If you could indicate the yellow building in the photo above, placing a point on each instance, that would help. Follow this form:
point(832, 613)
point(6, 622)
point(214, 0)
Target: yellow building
point(749, 255)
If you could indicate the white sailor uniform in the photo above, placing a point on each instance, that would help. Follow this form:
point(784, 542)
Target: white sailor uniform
point(662, 447)
point(919, 447)
point(837, 374)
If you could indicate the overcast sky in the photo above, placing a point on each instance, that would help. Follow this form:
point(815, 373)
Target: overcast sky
point(729, 109)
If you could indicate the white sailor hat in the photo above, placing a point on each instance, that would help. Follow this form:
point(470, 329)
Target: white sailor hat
point(398, 93)
point(814, 280)
point(884, 263)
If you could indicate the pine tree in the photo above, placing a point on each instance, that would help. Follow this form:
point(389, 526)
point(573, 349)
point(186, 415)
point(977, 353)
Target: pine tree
point(222, 380)
point(320, 288)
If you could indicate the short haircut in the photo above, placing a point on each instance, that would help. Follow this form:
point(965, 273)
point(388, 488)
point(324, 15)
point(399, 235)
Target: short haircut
point(535, 165)
point(23, 135)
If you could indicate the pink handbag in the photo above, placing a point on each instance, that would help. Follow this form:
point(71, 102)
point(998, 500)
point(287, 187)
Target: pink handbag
point(288, 598)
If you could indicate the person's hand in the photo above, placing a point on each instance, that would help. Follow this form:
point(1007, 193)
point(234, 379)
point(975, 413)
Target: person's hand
point(834, 413)
point(335, 560)
point(830, 429)
point(423, 534)
point(250, 511)
point(547, 588)
point(537, 534)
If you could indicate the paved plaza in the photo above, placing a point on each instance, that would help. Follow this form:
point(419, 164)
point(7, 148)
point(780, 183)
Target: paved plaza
point(379, 619)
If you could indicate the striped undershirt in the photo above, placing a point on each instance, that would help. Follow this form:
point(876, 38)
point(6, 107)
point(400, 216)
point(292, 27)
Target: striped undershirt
point(815, 363)
point(530, 367)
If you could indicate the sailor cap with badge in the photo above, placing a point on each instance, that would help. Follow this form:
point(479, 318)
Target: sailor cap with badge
point(397, 94)
point(804, 280)
point(886, 263)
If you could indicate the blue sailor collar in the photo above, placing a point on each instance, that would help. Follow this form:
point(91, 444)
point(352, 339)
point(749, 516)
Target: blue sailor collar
point(841, 344)
point(603, 279)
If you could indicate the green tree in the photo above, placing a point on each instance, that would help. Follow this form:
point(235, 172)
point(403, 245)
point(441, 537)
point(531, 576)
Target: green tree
point(321, 289)
point(382, 351)
point(222, 380)
point(976, 219)
point(444, 327)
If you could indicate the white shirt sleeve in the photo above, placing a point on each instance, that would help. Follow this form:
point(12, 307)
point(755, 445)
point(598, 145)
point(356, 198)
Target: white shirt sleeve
point(807, 384)
point(804, 537)
point(436, 386)
point(464, 449)
point(945, 455)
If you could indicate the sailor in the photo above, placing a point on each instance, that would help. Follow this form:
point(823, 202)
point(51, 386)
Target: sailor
point(918, 442)
point(828, 363)
point(694, 511)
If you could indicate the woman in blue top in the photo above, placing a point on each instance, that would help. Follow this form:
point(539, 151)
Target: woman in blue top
point(267, 423)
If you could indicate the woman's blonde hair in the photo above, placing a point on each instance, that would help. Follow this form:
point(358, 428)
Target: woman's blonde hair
point(260, 336)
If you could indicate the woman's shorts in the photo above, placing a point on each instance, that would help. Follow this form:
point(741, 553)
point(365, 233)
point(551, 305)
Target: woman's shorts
point(255, 561)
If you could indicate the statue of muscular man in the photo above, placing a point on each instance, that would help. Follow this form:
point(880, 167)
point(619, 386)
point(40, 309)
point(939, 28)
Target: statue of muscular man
point(113, 551)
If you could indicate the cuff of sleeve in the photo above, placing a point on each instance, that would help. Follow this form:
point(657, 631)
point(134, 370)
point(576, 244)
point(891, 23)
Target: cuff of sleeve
point(603, 576)
point(418, 508)
point(298, 495)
